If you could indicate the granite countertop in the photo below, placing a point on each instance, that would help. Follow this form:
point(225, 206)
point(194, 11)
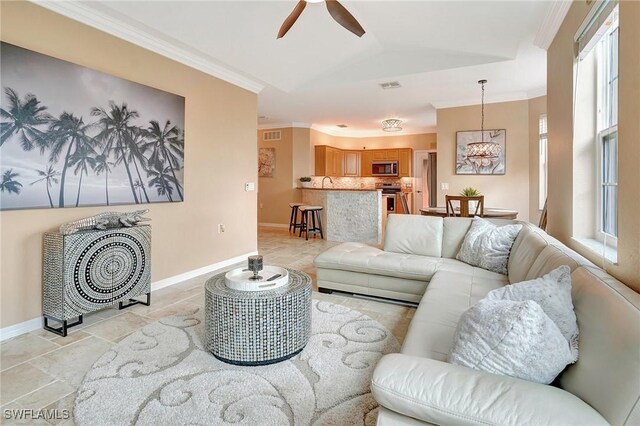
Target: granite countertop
point(342, 189)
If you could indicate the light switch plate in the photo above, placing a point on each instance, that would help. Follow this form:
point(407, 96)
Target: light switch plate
point(444, 186)
point(250, 186)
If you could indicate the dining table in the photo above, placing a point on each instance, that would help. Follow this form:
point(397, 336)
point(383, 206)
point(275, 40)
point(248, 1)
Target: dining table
point(489, 212)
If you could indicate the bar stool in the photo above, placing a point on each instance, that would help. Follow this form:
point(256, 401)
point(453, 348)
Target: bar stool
point(316, 222)
point(293, 222)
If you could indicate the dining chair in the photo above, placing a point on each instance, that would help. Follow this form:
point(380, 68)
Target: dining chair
point(405, 203)
point(464, 205)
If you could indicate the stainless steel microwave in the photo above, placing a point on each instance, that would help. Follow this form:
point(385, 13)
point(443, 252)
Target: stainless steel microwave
point(384, 168)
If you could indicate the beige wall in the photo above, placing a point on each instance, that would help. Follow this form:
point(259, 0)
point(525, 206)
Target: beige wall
point(509, 191)
point(275, 193)
point(560, 67)
point(220, 156)
point(537, 107)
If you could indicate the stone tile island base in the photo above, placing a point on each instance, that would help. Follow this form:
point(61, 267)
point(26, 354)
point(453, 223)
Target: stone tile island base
point(348, 215)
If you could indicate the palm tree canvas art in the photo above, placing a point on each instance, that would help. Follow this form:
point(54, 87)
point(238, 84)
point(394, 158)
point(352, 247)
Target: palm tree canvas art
point(71, 136)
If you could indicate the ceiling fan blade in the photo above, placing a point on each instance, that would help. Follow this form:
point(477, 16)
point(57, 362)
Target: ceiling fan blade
point(344, 18)
point(291, 19)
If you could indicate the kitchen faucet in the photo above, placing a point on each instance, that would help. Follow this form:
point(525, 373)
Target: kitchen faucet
point(330, 180)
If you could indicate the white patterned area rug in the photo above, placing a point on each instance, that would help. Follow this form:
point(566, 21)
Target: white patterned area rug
point(162, 375)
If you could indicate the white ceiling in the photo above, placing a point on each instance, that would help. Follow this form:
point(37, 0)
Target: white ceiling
point(322, 75)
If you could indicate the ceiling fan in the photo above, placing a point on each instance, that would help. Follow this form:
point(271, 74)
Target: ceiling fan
point(336, 10)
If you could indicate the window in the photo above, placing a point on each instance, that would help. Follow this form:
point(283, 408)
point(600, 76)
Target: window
point(542, 162)
point(607, 127)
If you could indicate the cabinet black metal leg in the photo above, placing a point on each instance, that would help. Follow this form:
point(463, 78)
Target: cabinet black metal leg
point(131, 302)
point(64, 327)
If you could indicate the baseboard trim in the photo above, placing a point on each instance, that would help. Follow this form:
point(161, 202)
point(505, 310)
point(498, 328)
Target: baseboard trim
point(200, 271)
point(274, 225)
point(36, 323)
point(20, 328)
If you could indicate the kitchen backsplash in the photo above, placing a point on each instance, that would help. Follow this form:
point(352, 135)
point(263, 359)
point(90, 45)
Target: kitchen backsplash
point(358, 182)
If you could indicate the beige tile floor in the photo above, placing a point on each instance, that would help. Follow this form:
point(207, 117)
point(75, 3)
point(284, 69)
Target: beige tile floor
point(41, 370)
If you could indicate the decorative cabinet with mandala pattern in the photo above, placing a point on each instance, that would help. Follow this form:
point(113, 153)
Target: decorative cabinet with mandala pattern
point(92, 270)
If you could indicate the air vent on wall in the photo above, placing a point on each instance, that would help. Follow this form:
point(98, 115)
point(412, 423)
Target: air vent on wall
point(271, 135)
point(390, 85)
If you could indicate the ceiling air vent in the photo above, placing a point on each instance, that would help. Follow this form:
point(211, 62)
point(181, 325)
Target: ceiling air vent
point(271, 135)
point(390, 85)
point(342, 126)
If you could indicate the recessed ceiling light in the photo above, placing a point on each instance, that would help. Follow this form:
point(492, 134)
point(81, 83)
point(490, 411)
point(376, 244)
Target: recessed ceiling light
point(390, 85)
point(342, 126)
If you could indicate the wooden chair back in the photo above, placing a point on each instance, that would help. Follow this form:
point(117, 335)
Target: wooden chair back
point(405, 203)
point(543, 217)
point(464, 205)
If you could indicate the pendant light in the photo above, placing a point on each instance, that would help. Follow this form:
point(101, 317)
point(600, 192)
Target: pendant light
point(482, 153)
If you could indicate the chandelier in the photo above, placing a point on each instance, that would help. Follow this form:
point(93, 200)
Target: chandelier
point(391, 125)
point(482, 153)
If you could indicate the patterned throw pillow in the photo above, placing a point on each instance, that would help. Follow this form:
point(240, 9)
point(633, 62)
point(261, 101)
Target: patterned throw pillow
point(515, 339)
point(553, 293)
point(488, 246)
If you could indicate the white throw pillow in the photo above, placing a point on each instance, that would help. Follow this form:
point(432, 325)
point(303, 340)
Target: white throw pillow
point(553, 293)
point(488, 246)
point(515, 339)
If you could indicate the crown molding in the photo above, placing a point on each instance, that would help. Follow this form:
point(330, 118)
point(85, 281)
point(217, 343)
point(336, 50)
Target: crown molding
point(536, 93)
point(89, 16)
point(551, 23)
point(370, 133)
point(507, 97)
point(296, 124)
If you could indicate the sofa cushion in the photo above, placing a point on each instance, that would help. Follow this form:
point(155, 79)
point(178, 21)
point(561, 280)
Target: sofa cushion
point(454, 230)
point(553, 293)
point(606, 374)
point(414, 234)
point(358, 257)
point(526, 248)
point(448, 295)
point(553, 256)
point(510, 338)
point(488, 246)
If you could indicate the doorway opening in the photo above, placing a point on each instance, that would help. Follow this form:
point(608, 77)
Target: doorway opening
point(426, 176)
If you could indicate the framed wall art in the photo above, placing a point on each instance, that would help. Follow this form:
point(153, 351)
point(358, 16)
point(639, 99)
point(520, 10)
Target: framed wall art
point(266, 162)
point(481, 154)
point(71, 136)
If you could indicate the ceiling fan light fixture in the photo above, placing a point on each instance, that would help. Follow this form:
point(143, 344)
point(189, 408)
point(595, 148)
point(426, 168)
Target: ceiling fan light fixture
point(392, 125)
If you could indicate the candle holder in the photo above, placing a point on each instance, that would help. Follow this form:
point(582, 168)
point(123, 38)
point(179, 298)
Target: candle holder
point(255, 265)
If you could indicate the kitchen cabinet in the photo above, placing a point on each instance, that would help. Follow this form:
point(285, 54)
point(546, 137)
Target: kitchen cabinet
point(351, 163)
point(366, 158)
point(328, 161)
point(405, 162)
point(332, 161)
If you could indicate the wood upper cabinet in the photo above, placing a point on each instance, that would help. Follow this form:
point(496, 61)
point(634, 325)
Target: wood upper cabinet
point(328, 161)
point(332, 161)
point(405, 162)
point(366, 158)
point(391, 154)
point(351, 163)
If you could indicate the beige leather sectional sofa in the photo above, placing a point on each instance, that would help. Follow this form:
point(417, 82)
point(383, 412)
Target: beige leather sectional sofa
point(418, 386)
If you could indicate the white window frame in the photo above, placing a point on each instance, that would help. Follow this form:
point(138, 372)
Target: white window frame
point(543, 161)
point(605, 129)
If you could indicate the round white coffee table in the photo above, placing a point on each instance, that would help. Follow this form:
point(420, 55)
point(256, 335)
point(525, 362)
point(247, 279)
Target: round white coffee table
point(257, 327)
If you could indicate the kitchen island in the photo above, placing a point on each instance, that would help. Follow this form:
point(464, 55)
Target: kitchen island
point(348, 214)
